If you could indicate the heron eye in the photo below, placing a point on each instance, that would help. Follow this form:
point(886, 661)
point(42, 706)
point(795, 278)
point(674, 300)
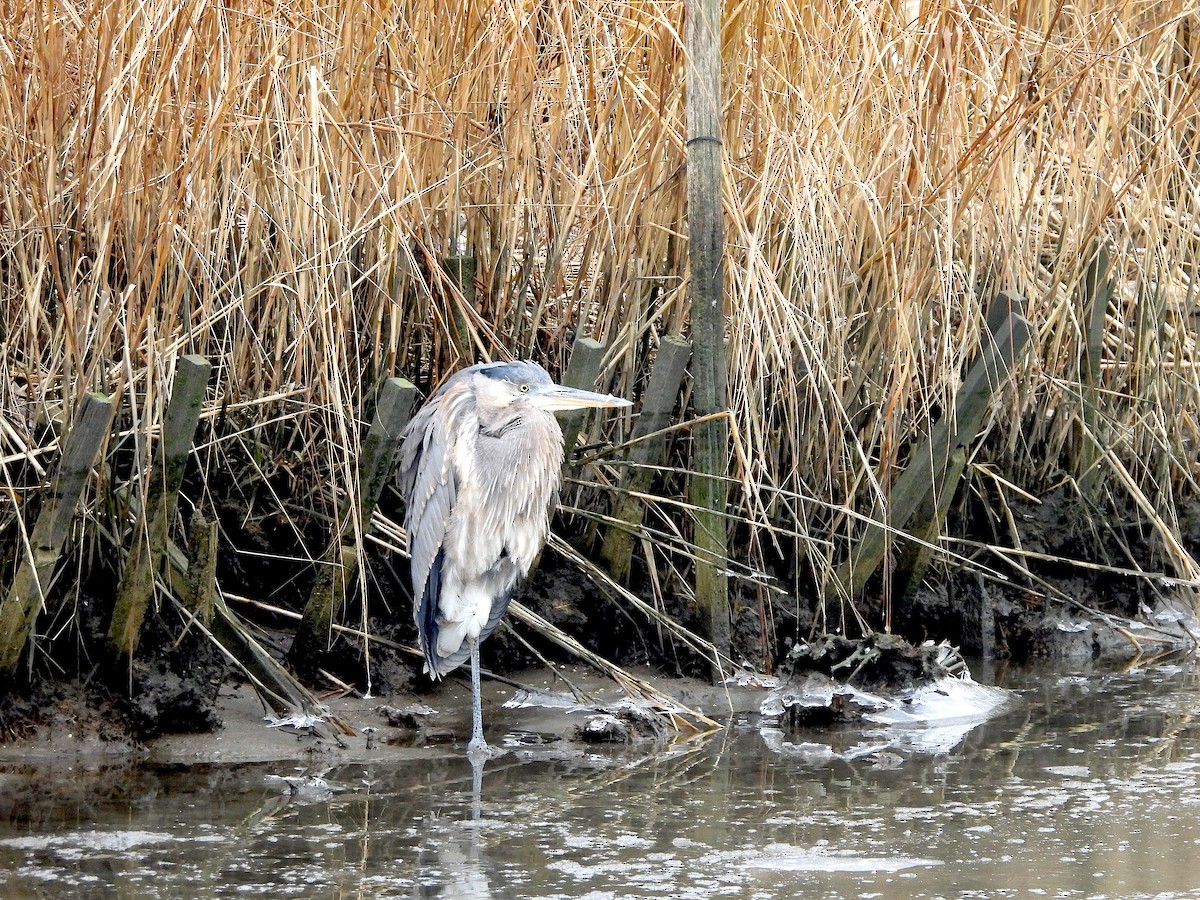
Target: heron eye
point(524, 389)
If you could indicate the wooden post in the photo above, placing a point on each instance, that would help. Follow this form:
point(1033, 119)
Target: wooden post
point(27, 594)
point(166, 477)
point(382, 443)
point(582, 371)
point(202, 566)
point(1094, 293)
point(340, 560)
point(710, 459)
point(928, 520)
point(461, 270)
point(645, 453)
point(926, 474)
point(338, 565)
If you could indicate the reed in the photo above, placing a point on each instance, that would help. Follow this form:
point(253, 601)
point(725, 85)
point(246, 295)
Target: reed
point(274, 186)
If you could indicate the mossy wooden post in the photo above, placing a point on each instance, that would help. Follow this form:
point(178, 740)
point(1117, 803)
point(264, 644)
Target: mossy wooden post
point(710, 459)
point(645, 453)
point(202, 566)
point(26, 595)
point(340, 560)
point(166, 476)
point(925, 481)
point(461, 270)
point(582, 371)
point(1094, 293)
point(929, 517)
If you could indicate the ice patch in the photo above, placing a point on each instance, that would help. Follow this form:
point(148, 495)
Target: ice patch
point(524, 699)
point(946, 700)
point(788, 858)
point(931, 719)
point(1070, 771)
point(74, 843)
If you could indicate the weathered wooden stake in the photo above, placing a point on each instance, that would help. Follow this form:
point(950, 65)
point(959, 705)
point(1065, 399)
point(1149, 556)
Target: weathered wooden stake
point(202, 566)
point(658, 404)
point(928, 520)
point(710, 458)
point(340, 560)
point(166, 477)
point(26, 596)
point(582, 371)
point(1094, 293)
point(928, 470)
point(461, 270)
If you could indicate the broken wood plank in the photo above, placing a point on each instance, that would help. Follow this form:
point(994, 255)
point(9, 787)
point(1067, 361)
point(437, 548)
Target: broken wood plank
point(646, 453)
point(26, 596)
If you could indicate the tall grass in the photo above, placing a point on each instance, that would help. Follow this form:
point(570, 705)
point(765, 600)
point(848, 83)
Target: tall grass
point(274, 185)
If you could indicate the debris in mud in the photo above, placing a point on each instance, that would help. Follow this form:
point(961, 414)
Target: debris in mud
point(604, 728)
point(880, 679)
point(621, 721)
point(412, 716)
point(298, 720)
point(309, 788)
point(19, 717)
point(876, 661)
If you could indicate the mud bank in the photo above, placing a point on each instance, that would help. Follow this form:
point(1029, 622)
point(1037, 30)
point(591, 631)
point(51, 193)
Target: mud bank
point(1073, 595)
point(529, 708)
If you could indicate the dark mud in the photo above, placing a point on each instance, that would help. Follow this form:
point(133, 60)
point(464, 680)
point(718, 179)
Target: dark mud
point(1075, 594)
point(1051, 610)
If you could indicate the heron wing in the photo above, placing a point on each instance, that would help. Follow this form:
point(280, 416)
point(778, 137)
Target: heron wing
point(427, 615)
point(428, 480)
point(428, 483)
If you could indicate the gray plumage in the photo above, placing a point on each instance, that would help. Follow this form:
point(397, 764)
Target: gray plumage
point(479, 469)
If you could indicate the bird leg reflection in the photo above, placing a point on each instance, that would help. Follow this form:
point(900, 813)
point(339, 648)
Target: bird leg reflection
point(476, 789)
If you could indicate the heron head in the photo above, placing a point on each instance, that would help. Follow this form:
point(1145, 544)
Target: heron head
point(527, 382)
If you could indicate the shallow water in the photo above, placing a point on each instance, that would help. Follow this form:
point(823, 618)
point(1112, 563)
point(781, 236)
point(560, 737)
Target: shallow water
point(1087, 788)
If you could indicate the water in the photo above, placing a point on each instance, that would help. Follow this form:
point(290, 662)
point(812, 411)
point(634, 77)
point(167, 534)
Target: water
point(1087, 789)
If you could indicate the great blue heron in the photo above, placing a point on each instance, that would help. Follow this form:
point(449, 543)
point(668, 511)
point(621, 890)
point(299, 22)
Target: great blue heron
point(479, 470)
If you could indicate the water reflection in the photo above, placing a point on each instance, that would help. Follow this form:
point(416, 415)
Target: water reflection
point(1088, 788)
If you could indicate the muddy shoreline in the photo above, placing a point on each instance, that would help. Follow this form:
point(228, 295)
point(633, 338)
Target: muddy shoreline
point(75, 732)
point(182, 701)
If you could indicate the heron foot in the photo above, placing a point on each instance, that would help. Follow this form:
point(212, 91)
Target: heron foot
point(479, 751)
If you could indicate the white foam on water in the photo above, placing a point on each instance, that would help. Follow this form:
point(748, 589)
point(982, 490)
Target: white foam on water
point(789, 858)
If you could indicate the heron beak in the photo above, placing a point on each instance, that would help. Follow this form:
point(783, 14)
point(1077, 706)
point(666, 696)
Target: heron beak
point(555, 398)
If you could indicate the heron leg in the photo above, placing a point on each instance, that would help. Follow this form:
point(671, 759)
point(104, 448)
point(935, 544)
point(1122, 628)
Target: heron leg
point(477, 749)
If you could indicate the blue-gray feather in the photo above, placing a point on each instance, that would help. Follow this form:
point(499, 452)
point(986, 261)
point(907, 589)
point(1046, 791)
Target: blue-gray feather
point(484, 541)
point(479, 469)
